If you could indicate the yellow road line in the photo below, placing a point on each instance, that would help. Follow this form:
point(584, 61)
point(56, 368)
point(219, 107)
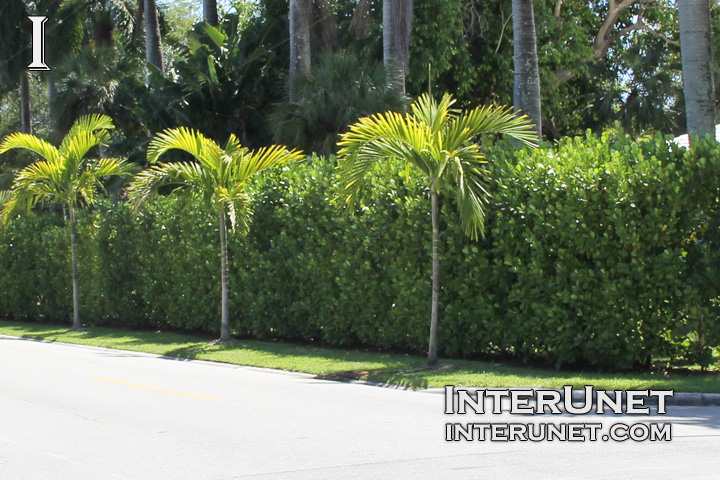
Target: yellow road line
point(118, 382)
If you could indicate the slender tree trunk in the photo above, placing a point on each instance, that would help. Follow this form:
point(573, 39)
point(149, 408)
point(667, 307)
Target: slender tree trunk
point(696, 51)
point(153, 42)
point(73, 246)
point(52, 112)
point(138, 21)
point(526, 92)
point(300, 12)
point(25, 102)
point(432, 347)
point(224, 315)
point(210, 14)
point(397, 27)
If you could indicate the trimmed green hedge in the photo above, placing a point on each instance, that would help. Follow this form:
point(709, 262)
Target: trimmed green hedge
point(602, 251)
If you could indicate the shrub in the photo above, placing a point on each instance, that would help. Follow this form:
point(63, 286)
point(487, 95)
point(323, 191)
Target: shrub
point(601, 251)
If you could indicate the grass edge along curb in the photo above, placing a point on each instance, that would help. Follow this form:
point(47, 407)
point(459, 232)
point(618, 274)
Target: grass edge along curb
point(374, 368)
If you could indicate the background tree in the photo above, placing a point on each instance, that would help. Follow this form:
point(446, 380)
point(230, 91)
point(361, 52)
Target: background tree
point(440, 142)
point(210, 12)
point(397, 27)
point(64, 176)
point(221, 176)
point(696, 46)
point(327, 103)
point(300, 14)
point(153, 41)
point(526, 90)
point(15, 55)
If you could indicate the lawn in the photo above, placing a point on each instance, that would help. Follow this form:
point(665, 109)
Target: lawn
point(330, 363)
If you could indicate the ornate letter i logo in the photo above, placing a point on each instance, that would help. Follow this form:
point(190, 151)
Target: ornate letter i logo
point(38, 43)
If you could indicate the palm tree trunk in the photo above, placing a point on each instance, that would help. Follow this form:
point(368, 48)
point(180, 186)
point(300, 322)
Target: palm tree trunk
point(138, 21)
point(73, 246)
point(224, 315)
point(526, 92)
point(300, 12)
point(696, 52)
point(397, 26)
point(52, 111)
point(210, 14)
point(432, 348)
point(153, 42)
point(25, 102)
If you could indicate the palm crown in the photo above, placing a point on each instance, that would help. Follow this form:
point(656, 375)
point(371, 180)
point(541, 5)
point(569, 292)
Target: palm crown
point(222, 175)
point(64, 175)
point(440, 142)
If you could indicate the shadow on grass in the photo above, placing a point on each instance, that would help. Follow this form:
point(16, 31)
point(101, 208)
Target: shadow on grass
point(413, 377)
point(347, 365)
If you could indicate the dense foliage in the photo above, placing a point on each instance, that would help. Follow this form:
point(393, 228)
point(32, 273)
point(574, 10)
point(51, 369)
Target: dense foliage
point(602, 252)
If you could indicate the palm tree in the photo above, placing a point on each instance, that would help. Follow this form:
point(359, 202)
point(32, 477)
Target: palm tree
point(438, 141)
point(65, 176)
point(210, 13)
point(526, 91)
point(153, 41)
point(696, 52)
point(397, 27)
point(15, 55)
point(220, 175)
point(300, 13)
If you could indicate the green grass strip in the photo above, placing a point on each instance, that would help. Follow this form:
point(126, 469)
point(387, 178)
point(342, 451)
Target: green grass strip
point(403, 370)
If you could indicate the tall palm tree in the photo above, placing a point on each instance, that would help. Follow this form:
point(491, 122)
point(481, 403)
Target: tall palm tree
point(210, 12)
point(15, 54)
point(397, 26)
point(220, 175)
point(696, 52)
point(526, 91)
point(439, 142)
point(153, 41)
point(300, 13)
point(64, 176)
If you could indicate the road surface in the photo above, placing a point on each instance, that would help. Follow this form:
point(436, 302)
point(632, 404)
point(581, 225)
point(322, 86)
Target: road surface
point(71, 412)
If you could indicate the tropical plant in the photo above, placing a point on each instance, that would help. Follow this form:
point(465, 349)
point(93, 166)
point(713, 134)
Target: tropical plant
point(64, 176)
point(326, 103)
point(440, 142)
point(220, 175)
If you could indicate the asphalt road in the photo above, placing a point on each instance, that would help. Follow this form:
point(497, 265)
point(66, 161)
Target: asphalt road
point(69, 412)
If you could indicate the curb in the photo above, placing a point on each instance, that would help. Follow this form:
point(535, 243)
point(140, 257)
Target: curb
point(683, 399)
point(679, 399)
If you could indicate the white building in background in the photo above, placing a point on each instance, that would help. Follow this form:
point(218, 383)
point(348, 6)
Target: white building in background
point(684, 140)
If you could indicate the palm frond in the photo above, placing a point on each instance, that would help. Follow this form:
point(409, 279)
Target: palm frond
point(75, 147)
point(106, 167)
point(433, 114)
point(41, 178)
point(32, 143)
point(251, 163)
point(181, 174)
point(193, 142)
point(9, 207)
point(89, 181)
point(94, 123)
point(237, 203)
point(492, 119)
